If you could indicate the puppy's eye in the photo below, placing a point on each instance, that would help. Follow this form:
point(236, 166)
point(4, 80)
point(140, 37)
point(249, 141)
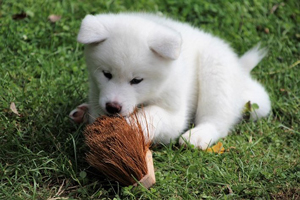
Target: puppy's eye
point(107, 75)
point(136, 81)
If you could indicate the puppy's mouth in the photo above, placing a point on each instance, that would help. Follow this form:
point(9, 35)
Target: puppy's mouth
point(125, 113)
point(115, 115)
point(120, 114)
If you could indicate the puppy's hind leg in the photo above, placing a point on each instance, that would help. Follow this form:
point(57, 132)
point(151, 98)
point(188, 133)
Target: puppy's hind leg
point(219, 105)
point(211, 124)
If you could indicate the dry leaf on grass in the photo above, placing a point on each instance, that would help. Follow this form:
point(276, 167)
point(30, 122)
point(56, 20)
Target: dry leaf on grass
point(267, 30)
point(13, 108)
point(250, 139)
point(218, 148)
point(54, 18)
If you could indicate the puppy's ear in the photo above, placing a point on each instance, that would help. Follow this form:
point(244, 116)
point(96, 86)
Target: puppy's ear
point(165, 42)
point(91, 31)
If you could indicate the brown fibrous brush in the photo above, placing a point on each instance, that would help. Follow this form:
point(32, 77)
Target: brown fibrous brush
point(119, 150)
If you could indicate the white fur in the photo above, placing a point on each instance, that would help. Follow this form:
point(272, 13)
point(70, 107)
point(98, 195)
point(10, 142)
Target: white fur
point(188, 76)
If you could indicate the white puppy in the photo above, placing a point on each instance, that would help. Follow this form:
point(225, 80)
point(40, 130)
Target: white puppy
point(180, 75)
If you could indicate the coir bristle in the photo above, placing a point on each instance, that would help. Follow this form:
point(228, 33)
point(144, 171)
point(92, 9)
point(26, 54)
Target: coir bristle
point(117, 149)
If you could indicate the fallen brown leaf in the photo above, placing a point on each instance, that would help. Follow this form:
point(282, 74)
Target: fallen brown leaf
point(54, 18)
point(274, 8)
point(229, 189)
point(218, 148)
point(13, 108)
point(267, 31)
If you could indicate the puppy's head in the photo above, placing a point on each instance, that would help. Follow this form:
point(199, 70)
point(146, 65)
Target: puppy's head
point(129, 60)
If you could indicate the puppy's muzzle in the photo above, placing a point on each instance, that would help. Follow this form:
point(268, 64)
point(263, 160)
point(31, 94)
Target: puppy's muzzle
point(113, 108)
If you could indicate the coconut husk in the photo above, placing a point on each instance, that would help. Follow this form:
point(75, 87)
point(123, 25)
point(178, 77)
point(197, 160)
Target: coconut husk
point(119, 150)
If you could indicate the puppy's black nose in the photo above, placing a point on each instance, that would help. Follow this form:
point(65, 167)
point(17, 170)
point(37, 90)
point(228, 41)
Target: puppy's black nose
point(113, 107)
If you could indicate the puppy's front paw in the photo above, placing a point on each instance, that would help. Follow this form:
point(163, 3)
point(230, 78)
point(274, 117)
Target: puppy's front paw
point(79, 114)
point(202, 136)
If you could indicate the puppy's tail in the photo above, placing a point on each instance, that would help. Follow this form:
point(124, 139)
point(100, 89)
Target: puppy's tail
point(252, 57)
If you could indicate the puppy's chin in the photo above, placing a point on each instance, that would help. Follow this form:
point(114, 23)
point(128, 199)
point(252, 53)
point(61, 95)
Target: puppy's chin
point(127, 114)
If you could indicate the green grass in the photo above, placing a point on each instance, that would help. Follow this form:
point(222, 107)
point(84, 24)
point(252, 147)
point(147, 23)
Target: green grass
point(42, 70)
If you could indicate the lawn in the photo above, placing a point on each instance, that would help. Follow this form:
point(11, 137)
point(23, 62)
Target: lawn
point(42, 73)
